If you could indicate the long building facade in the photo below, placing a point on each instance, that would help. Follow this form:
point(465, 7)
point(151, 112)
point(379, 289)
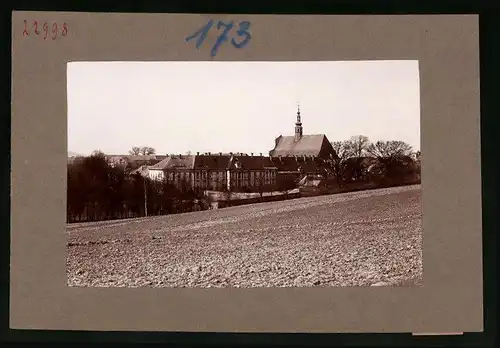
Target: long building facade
point(216, 171)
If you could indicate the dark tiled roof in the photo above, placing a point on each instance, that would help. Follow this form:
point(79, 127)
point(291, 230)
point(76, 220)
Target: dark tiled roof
point(175, 162)
point(135, 158)
point(309, 145)
point(214, 162)
point(252, 162)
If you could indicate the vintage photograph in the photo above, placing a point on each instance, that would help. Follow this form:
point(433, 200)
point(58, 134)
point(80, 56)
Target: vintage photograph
point(244, 174)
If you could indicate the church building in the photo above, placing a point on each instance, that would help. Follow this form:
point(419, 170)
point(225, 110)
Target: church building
point(315, 146)
point(293, 157)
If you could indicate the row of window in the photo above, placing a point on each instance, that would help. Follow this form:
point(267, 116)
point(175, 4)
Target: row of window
point(220, 176)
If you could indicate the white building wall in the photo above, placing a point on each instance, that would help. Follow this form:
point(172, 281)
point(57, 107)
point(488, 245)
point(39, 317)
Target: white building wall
point(156, 174)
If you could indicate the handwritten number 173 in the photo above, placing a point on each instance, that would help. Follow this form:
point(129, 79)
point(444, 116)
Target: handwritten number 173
point(242, 33)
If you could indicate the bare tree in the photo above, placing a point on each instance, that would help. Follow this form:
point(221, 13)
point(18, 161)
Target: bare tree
point(135, 151)
point(146, 150)
point(358, 146)
point(261, 184)
point(97, 153)
point(342, 148)
point(395, 158)
point(390, 149)
point(343, 151)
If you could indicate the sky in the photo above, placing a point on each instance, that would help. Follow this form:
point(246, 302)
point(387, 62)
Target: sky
point(176, 107)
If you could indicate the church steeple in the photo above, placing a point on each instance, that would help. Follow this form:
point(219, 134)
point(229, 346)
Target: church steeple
point(298, 125)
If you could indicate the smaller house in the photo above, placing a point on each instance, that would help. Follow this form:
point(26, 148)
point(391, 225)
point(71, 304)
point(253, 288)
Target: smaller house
point(313, 184)
point(132, 161)
point(73, 156)
point(312, 180)
point(142, 171)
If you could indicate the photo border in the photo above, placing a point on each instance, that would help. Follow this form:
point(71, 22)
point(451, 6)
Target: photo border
point(44, 252)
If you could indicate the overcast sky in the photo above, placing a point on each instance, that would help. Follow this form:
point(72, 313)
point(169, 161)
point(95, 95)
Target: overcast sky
point(176, 107)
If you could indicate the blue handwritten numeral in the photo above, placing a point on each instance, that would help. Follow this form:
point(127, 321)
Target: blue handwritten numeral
point(202, 33)
point(222, 37)
point(243, 31)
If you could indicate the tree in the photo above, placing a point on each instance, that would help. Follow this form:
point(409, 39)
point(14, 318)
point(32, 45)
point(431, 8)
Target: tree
point(286, 183)
point(135, 151)
point(357, 149)
point(95, 178)
point(390, 149)
point(395, 157)
point(261, 185)
point(76, 192)
point(357, 146)
point(418, 165)
point(115, 194)
point(146, 150)
point(166, 195)
point(98, 154)
point(135, 195)
point(338, 164)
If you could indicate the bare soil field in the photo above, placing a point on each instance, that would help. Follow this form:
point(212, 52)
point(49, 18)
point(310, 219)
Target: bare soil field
point(351, 239)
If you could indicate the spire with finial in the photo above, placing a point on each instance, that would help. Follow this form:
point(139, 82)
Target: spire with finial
point(298, 125)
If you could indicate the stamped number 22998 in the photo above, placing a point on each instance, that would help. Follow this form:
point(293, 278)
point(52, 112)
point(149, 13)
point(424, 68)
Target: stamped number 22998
point(45, 30)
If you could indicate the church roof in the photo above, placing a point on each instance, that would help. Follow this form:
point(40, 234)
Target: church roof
point(307, 145)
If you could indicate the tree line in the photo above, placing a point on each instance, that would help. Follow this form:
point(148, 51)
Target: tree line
point(142, 150)
point(383, 163)
point(97, 191)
